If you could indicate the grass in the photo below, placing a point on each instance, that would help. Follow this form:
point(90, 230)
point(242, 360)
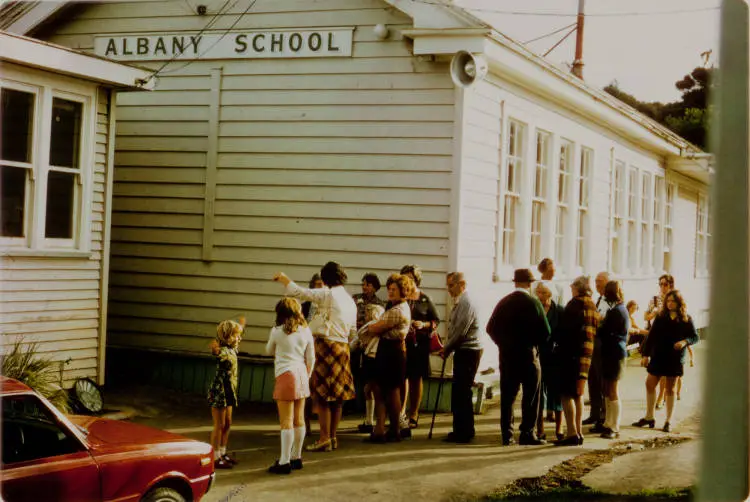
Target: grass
point(585, 495)
point(42, 374)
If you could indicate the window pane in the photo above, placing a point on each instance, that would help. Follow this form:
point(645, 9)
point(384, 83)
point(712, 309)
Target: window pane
point(13, 186)
point(60, 201)
point(66, 133)
point(17, 125)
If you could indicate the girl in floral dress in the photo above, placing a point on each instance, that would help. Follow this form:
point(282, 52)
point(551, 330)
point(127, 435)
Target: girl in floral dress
point(222, 396)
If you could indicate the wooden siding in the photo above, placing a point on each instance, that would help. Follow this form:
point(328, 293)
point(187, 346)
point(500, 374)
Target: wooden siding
point(345, 159)
point(481, 154)
point(55, 301)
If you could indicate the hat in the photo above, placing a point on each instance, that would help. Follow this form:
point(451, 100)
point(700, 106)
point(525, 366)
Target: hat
point(523, 275)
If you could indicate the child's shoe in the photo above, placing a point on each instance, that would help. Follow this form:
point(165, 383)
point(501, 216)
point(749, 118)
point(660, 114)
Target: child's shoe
point(230, 460)
point(278, 468)
point(296, 464)
point(220, 463)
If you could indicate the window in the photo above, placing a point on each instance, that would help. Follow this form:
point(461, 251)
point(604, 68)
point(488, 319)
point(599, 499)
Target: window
point(43, 166)
point(632, 219)
point(668, 223)
point(618, 215)
point(31, 431)
point(539, 198)
point(703, 244)
point(584, 180)
point(563, 198)
point(658, 215)
point(646, 211)
point(513, 176)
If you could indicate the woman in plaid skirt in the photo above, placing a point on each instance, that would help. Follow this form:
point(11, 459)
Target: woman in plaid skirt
point(333, 322)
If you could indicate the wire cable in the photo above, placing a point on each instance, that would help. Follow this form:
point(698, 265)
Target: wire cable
point(226, 32)
point(550, 33)
point(563, 14)
point(561, 41)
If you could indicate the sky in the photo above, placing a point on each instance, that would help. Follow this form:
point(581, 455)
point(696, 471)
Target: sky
point(646, 54)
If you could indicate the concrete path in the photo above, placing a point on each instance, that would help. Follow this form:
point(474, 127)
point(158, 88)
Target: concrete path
point(418, 469)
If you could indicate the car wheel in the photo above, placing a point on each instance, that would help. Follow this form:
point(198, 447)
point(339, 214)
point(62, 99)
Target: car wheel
point(163, 494)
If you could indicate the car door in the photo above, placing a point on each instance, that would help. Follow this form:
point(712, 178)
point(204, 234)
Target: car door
point(41, 458)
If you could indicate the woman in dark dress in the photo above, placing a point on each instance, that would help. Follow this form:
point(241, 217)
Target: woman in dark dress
point(613, 335)
point(664, 354)
point(424, 320)
point(550, 392)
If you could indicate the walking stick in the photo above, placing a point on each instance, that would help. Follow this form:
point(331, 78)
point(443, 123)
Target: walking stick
point(437, 400)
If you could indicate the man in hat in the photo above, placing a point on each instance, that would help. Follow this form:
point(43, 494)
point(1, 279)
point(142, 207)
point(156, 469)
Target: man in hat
point(518, 326)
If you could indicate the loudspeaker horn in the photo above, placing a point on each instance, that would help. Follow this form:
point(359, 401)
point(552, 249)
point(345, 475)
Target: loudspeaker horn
point(468, 68)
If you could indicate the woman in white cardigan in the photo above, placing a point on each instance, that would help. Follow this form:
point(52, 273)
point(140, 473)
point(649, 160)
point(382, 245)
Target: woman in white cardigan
point(291, 344)
point(334, 322)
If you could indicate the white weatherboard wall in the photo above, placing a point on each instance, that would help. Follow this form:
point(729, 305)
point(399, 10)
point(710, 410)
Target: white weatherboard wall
point(345, 159)
point(488, 107)
point(55, 301)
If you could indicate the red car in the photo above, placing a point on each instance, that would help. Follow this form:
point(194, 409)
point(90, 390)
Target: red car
point(48, 456)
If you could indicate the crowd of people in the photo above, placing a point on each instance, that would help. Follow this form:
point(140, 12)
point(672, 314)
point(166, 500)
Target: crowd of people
point(325, 340)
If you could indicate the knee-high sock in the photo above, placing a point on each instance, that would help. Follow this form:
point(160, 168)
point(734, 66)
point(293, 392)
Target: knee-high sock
point(607, 413)
point(650, 404)
point(287, 438)
point(370, 412)
point(614, 418)
point(670, 406)
point(299, 438)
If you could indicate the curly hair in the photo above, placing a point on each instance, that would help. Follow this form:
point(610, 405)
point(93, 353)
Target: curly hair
point(544, 265)
point(373, 311)
point(315, 278)
point(583, 285)
point(289, 315)
point(414, 271)
point(403, 282)
point(682, 314)
point(372, 279)
point(226, 331)
point(333, 274)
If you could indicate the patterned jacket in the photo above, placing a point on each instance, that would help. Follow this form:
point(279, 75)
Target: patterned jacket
point(579, 325)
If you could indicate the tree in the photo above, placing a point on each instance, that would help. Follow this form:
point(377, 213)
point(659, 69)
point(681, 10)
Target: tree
point(687, 117)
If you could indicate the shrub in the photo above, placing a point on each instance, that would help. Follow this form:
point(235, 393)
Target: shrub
point(40, 373)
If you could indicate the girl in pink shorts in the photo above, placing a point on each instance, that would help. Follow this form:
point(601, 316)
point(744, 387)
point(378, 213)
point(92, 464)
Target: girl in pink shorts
point(291, 344)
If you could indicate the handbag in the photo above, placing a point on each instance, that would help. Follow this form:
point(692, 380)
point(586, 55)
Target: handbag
point(436, 344)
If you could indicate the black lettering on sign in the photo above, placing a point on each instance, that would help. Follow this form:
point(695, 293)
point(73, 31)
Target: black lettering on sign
point(241, 44)
point(111, 48)
point(314, 42)
point(160, 47)
point(125, 50)
point(259, 36)
point(178, 43)
point(277, 42)
point(142, 47)
point(295, 42)
point(330, 44)
point(195, 41)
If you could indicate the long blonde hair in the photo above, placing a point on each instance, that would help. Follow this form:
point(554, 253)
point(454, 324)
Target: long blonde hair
point(289, 315)
point(228, 333)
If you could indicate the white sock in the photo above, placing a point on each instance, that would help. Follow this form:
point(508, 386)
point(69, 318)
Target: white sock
point(299, 438)
point(650, 404)
point(287, 438)
point(217, 454)
point(614, 419)
point(607, 413)
point(369, 412)
point(670, 406)
point(223, 451)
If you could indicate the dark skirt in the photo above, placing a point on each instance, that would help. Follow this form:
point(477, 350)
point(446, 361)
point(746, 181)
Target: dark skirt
point(665, 369)
point(332, 377)
point(390, 364)
point(418, 356)
point(369, 369)
point(551, 386)
point(568, 377)
point(612, 369)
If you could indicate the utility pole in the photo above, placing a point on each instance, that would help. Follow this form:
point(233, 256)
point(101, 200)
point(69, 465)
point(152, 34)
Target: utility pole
point(577, 68)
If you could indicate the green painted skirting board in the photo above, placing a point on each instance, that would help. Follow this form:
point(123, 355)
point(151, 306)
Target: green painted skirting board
point(194, 373)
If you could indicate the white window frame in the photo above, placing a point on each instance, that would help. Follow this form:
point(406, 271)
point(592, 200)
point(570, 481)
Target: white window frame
point(657, 224)
point(540, 193)
point(47, 87)
point(703, 237)
point(631, 210)
point(563, 203)
point(644, 227)
point(619, 227)
point(669, 207)
point(584, 183)
point(512, 179)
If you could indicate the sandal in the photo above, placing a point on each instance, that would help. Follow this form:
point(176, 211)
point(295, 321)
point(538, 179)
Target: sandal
point(320, 446)
point(230, 460)
point(413, 423)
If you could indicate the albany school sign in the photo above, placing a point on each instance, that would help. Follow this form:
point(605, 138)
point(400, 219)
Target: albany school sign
point(239, 45)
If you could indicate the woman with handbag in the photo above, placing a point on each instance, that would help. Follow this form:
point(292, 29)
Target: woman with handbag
point(419, 342)
point(334, 321)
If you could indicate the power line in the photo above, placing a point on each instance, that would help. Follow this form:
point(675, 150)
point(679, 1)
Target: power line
point(250, 6)
point(563, 14)
point(550, 33)
point(561, 41)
